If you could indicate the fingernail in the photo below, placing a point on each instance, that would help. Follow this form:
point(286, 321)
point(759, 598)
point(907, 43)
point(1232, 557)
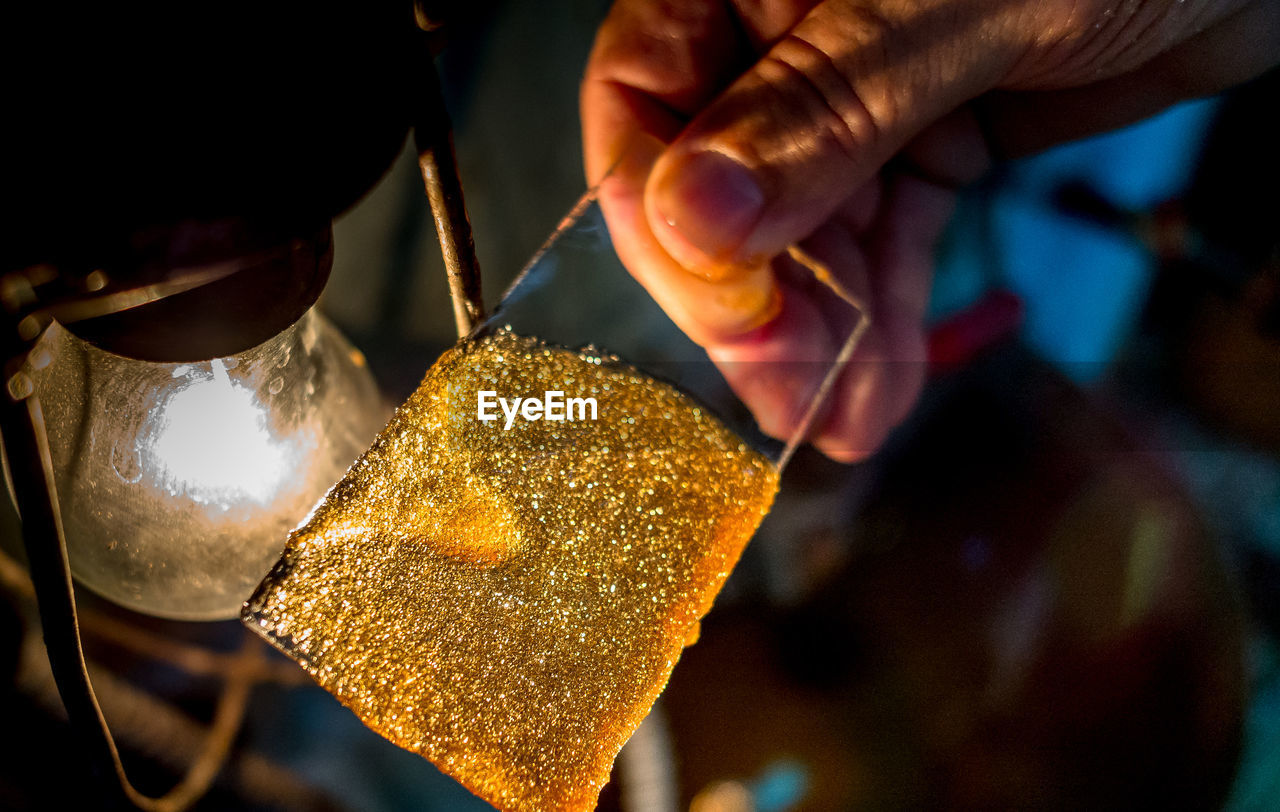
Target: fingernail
point(710, 204)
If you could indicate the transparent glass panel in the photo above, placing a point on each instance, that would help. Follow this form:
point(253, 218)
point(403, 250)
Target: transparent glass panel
point(506, 588)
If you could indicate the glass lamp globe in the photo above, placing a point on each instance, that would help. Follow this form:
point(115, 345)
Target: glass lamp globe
point(179, 482)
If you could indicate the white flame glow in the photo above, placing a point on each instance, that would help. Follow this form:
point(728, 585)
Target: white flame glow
point(211, 442)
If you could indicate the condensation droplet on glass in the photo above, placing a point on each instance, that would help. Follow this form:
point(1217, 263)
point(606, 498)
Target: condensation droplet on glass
point(126, 461)
point(285, 356)
point(40, 357)
point(276, 385)
point(310, 335)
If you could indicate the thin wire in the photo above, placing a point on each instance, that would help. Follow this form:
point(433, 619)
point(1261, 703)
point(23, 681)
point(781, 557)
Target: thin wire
point(192, 659)
point(567, 222)
point(228, 716)
point(49, 566)
point(30, 321)
point(823, 274)
point(48, 555)
point(117, 301)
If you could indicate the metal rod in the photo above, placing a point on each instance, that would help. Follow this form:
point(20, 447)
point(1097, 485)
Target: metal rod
point(26, 447)
point(27, 450)
point(433, 137)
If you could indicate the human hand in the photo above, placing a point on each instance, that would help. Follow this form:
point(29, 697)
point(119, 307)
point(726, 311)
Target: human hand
point(736, 129)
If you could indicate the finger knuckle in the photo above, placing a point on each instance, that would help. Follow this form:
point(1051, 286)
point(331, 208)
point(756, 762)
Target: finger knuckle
point(833, 100)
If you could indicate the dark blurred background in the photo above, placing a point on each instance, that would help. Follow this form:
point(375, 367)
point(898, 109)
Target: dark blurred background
point(1057, 587)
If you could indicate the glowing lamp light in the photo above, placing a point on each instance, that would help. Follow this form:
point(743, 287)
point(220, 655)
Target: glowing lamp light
point(211, 442)
point(179, 483)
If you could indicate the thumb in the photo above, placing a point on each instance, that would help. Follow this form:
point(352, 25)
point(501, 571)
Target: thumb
point(774, 155)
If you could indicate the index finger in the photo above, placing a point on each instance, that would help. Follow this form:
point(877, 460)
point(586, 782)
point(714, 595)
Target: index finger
point(653, 65)
point(656, 63)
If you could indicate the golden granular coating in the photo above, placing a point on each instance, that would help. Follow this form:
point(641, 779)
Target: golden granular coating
point(510, 603)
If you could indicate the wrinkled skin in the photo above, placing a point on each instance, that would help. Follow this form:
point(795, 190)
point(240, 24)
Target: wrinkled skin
point(736, 128)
